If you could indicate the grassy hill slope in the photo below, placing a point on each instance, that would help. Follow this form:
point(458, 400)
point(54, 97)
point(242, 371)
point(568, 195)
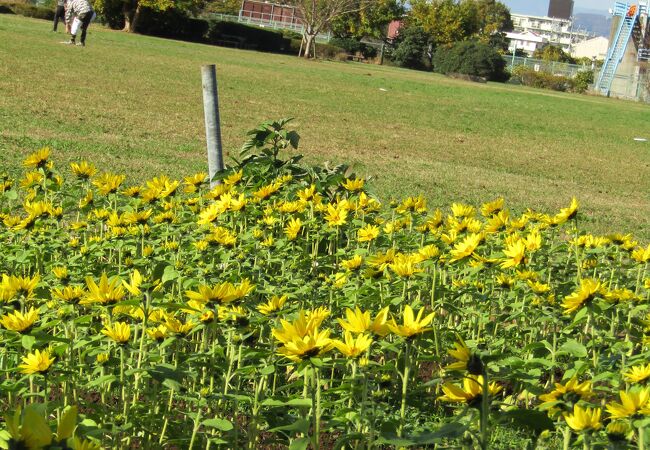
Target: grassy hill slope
point(133, 104)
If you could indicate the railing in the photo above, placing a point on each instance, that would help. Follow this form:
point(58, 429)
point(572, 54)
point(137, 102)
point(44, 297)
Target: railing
point(267, 23)
point(539, 65)
point(643, 54)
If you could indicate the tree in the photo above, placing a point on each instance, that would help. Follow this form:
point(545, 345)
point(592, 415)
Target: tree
point(450, 21)
point(550, 52)
point(371, 22)
point(471, 58)
point(127, 12)
point(319, 15)
point(411, 47)
point(445, 20)
point(493, 17)
point(231, 7)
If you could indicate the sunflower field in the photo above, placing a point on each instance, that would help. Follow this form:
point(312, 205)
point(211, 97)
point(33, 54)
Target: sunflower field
point(286, 307)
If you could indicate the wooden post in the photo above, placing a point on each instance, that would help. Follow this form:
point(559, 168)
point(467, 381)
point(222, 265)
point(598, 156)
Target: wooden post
point(212, 121)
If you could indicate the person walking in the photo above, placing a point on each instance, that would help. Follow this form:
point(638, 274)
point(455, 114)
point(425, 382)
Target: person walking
point(83, 14)
point(59, 14)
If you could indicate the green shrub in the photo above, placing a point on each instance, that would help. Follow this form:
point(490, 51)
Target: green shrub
point(291, 34)
point(250, 37)
point(324, 51)
point(172, 24)
point(471, 58)
point(175, 24)
point(582, 80)
point(29, 10)
point(328, 51)
point(543, 80)
point(5, 9)
point(354, 46)
point(410, 48)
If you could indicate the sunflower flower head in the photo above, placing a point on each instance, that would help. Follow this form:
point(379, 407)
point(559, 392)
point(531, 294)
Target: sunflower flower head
point(353, 347)
point(274, 304)
point(37, 159)
point(470, 393)
point(564, 396)
point(119, 332)
point(634, 403)
point(589, 289)
point(18, 321)
point(584, 419)
point(411, 325)
point(36, 362)
point(638, 374)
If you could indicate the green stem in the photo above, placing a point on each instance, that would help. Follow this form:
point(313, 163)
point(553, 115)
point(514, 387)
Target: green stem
point(485, 411)
point(405, 381)
point(196, 427)
point(315, 406)
point(641, 442)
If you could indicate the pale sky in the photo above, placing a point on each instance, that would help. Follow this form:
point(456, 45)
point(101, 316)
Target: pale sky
point(540, 7)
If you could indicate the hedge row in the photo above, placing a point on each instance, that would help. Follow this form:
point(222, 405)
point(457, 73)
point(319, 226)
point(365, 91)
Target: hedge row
point(540, 79)
point(27, 10)
point(173, 24)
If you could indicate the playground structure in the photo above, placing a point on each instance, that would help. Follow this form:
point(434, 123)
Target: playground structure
point(628, 54)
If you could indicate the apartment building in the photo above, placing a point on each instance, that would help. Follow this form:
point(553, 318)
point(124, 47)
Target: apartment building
point(554, 30)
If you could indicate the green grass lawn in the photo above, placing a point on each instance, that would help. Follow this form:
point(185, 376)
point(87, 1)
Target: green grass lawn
point(133, 104)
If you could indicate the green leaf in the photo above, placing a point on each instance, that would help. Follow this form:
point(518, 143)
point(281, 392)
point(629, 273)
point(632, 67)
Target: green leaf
point(299, 444)
point(169, 274)
point(267, 370)
point(67, 424)
point(28, 341)
point(35, 430)
point(531, 419)
point(580, 315)
point(101, 380)
point(219, 424)
point(299, 426)
point(574, 348)
point(299, 402)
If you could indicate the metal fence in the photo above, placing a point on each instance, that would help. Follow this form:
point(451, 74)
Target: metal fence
point(539, 65)
point(630, 87)
point(267, 22)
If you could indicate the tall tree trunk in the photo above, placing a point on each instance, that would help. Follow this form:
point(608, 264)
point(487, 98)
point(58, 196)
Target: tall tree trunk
point(307, 49)
point(131, 11)
point(128, 19)
point(134, 22)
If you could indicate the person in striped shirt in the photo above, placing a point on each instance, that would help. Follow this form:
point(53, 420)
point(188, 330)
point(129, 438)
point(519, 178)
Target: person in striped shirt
point(83, 14)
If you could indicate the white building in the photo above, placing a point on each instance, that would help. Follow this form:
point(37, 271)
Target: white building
point(528, 42)
point(592, 48)
point(558, 32)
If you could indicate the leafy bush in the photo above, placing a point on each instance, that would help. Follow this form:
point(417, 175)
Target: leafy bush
point(354, 46)
point(410, 48)
point(172, 24)
point(250, 37)
point(28, 10)
point(176, 24)
point(471, 58)
point(551, 52)
point(544, 80)
point(324, 51)
point(582, 80)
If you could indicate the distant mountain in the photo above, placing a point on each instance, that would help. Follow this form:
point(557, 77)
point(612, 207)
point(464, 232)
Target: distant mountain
point(594, 23)
point(582, 10)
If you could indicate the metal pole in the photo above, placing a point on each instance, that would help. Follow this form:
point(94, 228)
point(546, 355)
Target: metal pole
point(212, 122)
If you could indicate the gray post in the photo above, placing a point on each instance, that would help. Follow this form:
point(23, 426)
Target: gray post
point(212, 122)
